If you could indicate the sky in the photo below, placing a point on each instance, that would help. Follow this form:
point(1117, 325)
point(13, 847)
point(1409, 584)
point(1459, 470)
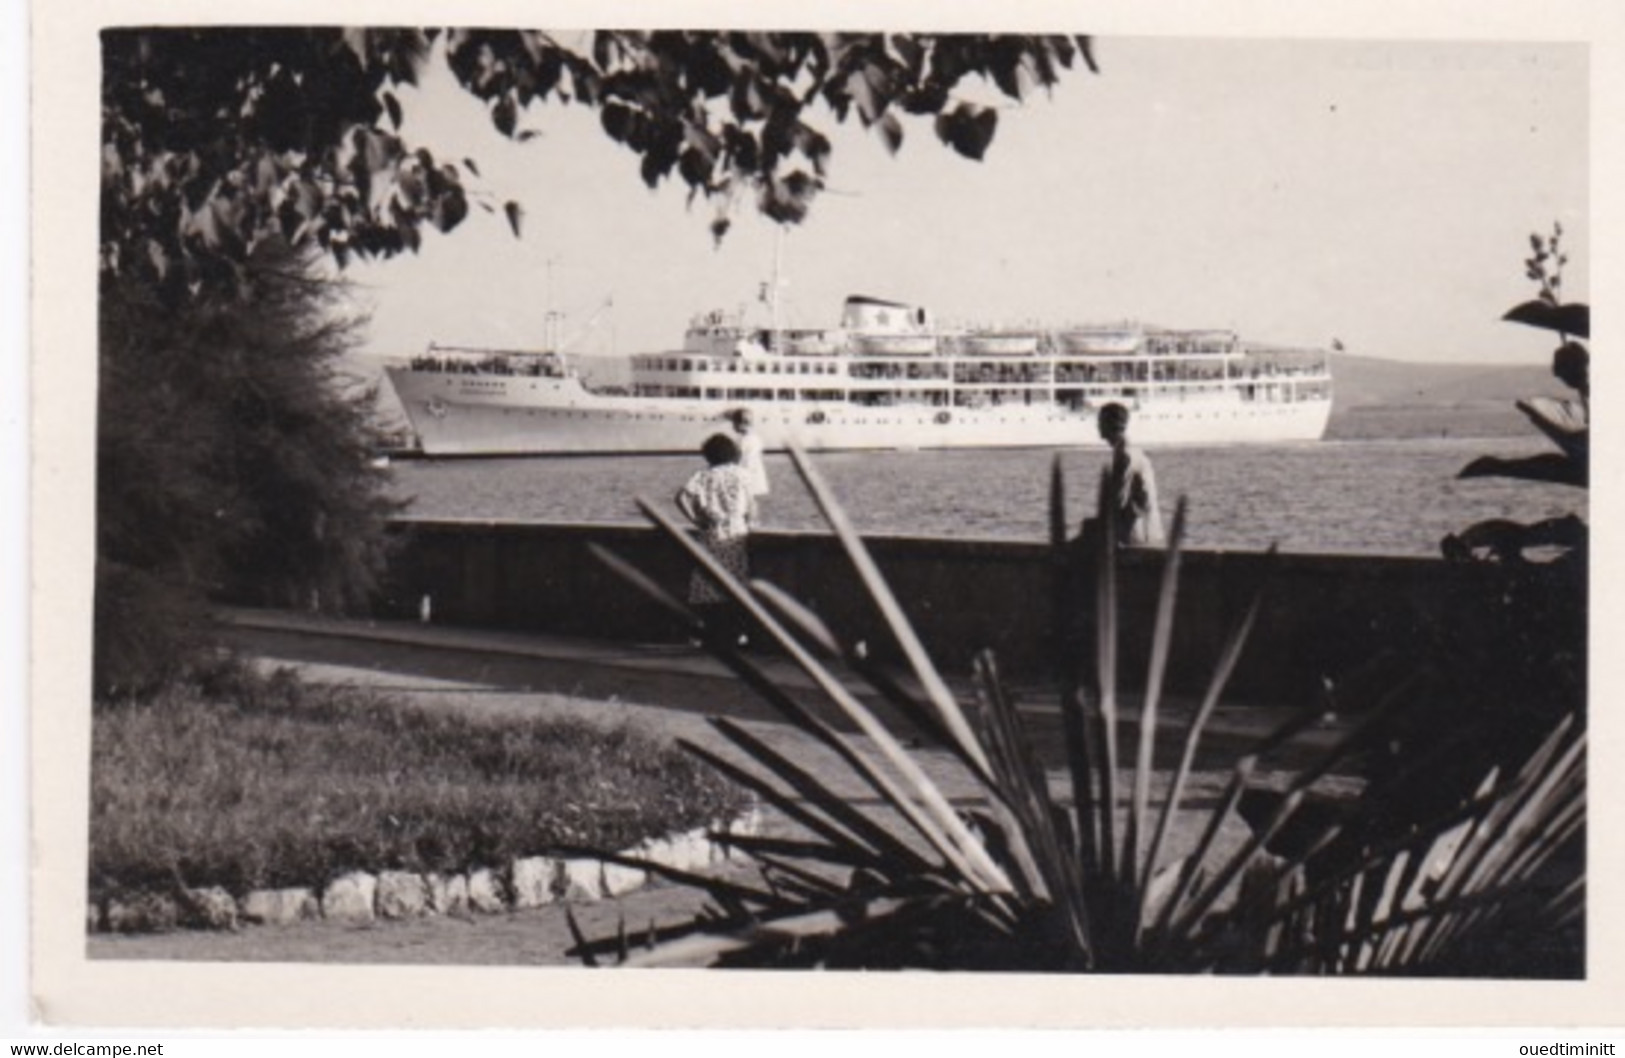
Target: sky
point(1381, 194)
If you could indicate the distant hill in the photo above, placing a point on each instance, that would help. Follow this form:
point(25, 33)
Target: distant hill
point(1365, 380)
point(1392, 398)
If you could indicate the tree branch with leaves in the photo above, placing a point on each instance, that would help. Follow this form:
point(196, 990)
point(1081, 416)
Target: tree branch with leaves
point(215, 140)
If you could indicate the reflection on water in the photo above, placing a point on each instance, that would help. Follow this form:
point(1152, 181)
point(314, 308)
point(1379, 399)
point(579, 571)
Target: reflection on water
point(1391, 497)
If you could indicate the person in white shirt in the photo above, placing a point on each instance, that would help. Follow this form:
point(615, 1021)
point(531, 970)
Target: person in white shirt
point(1134, 484)
point(750, 452)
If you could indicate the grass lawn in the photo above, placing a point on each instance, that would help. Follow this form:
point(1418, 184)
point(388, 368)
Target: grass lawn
point(249, 782)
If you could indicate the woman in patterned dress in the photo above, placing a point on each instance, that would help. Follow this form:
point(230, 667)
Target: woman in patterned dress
point(718, 501)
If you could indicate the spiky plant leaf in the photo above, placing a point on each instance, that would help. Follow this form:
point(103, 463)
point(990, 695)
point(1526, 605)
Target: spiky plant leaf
point(880, 592)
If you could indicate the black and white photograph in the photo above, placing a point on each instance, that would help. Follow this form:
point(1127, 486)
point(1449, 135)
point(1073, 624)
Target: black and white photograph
point(1050, 504)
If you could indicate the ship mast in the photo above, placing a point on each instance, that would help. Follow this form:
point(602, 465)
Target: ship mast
point(550, 318)
point(773, 303)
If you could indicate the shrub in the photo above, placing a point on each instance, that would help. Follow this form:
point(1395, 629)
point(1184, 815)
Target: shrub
point(149, 632)
point(1566, 423)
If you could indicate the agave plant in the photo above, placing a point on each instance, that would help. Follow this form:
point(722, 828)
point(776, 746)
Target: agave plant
point(1492, 887)
point(1083, 877)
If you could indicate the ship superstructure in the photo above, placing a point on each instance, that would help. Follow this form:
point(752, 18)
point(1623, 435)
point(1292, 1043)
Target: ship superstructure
point(888, 377)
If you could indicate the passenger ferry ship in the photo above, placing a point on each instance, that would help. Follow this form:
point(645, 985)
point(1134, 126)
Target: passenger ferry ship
point(887, 377)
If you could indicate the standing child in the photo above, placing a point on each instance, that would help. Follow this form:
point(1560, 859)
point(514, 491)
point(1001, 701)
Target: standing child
point(1133, 483)
point(718, 502)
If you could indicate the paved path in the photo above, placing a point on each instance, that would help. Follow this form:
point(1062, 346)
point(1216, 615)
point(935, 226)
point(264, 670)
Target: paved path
point(667, 676)
point(668, 689)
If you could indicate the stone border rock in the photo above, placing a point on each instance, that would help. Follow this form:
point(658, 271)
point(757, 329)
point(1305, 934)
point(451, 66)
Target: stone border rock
point(361, 897)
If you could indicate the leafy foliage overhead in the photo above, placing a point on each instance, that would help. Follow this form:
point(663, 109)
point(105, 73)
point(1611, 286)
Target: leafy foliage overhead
point(214, 140)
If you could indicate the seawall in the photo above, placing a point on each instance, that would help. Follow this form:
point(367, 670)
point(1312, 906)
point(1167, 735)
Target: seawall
point(1322, 619)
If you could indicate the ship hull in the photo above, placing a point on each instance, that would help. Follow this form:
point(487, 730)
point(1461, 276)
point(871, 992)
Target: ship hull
point(481, 415)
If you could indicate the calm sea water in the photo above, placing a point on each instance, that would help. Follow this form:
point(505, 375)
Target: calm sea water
point(1386, 496)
